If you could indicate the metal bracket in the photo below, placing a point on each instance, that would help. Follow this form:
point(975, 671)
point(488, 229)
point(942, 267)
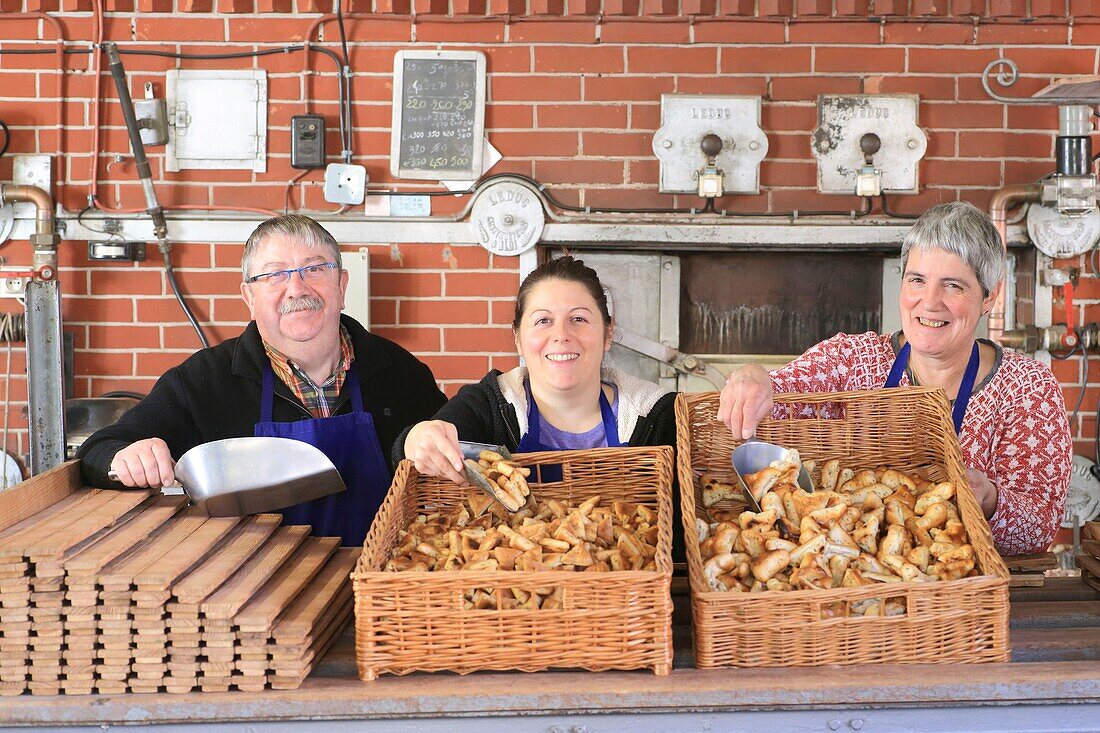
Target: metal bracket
point(1058, 93)
point(686, 363)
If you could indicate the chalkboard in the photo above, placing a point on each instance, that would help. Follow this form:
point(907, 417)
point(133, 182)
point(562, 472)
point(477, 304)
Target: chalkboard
point(438, 115)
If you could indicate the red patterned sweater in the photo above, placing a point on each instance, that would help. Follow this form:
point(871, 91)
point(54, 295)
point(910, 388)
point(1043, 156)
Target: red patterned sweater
point(1015, 430)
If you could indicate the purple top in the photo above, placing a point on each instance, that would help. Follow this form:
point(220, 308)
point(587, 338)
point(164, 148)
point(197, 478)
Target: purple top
point(555, 439)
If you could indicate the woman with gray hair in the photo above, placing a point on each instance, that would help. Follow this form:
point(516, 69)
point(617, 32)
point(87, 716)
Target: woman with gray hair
point(1007, 408)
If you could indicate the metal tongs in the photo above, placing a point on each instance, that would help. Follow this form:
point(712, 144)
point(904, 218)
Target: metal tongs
point(755, 455)
point(471, 452)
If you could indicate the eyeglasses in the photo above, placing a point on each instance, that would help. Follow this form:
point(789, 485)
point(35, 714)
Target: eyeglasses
point(309, 273)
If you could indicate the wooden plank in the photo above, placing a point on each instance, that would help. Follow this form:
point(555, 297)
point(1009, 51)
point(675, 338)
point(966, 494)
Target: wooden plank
point(1088, 563)
point(122, 571)
point(92, 559)
point(1091, 531)
point(1091, 547)
point(30, 497)
point(14, 537)
point(1018, 580)
point(227, 600)
point(116, 506)
point(185, 555)
point(237, 548)
point(1032, 562)
point(44, 533)
point(265, 606)
point(298, 621)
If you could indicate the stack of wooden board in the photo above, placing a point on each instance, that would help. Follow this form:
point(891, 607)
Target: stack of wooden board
point(1089, 559)
point(116, 591)
point(1029, 570)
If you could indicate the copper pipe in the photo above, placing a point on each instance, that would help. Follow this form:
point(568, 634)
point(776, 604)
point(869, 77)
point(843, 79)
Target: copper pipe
point(45, 238)
point(1002, 201)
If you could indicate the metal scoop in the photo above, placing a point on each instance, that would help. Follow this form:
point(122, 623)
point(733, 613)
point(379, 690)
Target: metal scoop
point(239, 476)
point(755, 455)
point(470, 453)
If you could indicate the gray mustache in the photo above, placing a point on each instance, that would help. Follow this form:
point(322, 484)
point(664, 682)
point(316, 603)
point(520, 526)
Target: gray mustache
point(304, 303)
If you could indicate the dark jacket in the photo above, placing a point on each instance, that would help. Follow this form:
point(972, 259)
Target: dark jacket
point(215, 394)
point(483, 414)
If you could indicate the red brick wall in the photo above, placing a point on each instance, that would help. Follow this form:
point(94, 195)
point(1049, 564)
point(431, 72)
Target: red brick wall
point(574, 101)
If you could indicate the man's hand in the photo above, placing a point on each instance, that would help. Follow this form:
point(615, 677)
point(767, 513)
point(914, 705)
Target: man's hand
point(984, 490)
point(745, 400)
point(432, 446)
point(146, 463)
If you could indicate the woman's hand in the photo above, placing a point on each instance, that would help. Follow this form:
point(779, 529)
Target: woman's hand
point(985, 491)
point(745, 400)
point(146, 463)
point(432, 446)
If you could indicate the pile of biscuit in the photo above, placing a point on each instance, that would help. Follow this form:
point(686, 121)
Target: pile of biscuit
point(859, 528)
point(479, 534)
point(507, 479)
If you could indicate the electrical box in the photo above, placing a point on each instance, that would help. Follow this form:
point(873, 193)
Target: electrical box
point(217, 120)
point(152, 118)
point(687, 118)
point(307, 141)
point(118, 250)
point(357, 299)
point(844, 120)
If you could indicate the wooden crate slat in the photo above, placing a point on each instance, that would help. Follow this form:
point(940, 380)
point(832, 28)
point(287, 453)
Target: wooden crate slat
point(301, 617)
point(238, 547)
point(235, 592)
point(269, 601)
point(117, 505)
point(186, 554)
point(29, 497)
point(92, 559)
point(176, 530)
point(15, 538)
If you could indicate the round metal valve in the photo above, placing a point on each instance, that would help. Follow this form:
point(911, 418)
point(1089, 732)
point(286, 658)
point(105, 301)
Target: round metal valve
point(507, 218)
point(1057, 235)
point(711, 145)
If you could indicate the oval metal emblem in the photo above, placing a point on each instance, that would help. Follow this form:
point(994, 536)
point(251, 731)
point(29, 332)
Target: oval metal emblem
point(507, 218)
point(1059, 236)
point(1083, 499)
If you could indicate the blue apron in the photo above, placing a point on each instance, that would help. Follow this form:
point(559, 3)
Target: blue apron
point(351, 443)
point(967, 386)
point(531, 442)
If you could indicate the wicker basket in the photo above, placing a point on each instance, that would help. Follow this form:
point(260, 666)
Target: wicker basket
point(406, 622)
point(957, 621)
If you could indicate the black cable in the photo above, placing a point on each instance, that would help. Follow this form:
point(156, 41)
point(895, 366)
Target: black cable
point(179, 298)
point(867, 206)
point(7, 138)
point(886, 210)
point(1080, 345)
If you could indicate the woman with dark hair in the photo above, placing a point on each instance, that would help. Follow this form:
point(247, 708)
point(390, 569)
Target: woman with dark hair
point(1007, 408)
point(562, 396)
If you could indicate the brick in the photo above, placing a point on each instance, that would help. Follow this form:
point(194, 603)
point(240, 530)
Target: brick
point(942, 144)
point(236, 6)
point(262, 30)
point(401, 284)
point(416, 340)
point(493, 340)
point(229, 310)
point(961, 172)
point(617, 144)
point(76, 6)
point(968, 7)
point(581, 116)
point(479, 32)
point(621, 7)
point(421, 7)
point(645, 117)
point(724, 31)
point(1048, 8)
point(950, 60)
point(1057, 61)
point(104, 362)
point(764, 60)
point(862, 59)
point(659, 7)
point(480, 284)
point(1007, 8)
point(196, 6)
point(428, 256)
point(617, 30)
point(775, 7)
point(930, 7)
point(509, 116)
point(393, 7)
point(970, 87)
point(127, 282)
point(815, 32)
point(1019, 170)
point(423, 312)
point(699, 7)
point(274, 6)
point(124, 337)
point(178, 29)
point(167, 310)
point(1084, 8)
point(803, 88)
point(853, 7)
point(788, 117)
point(467, 368)
point(813, 7)
point(754, 86)
point(383, 312)
point(547, 7)
point(536, 143)
point(737, 7)
point(672, 60)
point(599, 59)
point(930, 34)
point(890, 7)
point(786, 146)
point(788, 174)
point(525, 30)
point(584, 7)
point(42, 6)
point(954, 115)
point(578, 170)
point(626, 88)
point(1032, 118)
point(536, 89)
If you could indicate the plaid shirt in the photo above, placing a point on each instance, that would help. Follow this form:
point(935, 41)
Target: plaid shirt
point(318, 399)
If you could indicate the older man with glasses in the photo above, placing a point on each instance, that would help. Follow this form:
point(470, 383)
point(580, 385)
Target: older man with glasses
point(300, 370)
